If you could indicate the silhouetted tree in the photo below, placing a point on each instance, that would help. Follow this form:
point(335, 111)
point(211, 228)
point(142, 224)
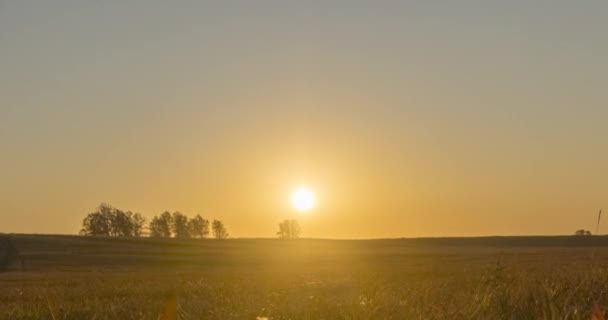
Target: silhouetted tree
point(120, 224)
point(219, 231)
point(138, 222)
point(160, 226)
point(582, 232)
point(289, 229)
point(180, 225)
point(198, 227)
point(98, 223)
point(109, 221)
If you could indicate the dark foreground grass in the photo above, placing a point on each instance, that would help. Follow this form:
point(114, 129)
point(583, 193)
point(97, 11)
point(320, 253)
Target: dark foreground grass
point(485, 278)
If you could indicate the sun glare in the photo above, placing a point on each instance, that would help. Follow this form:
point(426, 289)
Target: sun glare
point(303, 199)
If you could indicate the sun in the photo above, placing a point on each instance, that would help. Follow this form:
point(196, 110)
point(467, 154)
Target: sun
point(303, 199)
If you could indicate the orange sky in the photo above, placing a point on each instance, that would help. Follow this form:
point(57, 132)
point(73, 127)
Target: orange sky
point(405, 119)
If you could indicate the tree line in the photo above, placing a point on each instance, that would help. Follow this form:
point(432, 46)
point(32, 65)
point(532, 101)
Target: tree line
point(113, 222)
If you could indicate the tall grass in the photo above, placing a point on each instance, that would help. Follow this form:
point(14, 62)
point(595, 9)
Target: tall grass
point(320, 280)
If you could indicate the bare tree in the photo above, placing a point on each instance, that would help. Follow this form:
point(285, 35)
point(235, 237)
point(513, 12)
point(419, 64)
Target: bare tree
point(219, 231)
point(198, 227)
point(289, 229)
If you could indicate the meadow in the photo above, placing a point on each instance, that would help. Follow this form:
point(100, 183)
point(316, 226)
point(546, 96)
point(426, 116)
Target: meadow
point(72, 277)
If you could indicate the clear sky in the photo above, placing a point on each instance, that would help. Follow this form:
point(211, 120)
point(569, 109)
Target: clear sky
point(406, 118)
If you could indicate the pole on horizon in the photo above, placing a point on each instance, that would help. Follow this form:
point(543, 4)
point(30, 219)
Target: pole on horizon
point(599, 217)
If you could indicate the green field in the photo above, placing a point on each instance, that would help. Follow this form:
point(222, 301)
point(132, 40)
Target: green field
point(69, 277)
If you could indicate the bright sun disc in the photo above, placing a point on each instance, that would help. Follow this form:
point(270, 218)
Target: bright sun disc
point(303, 199)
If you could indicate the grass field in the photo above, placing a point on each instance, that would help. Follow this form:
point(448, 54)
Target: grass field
point(71, 277)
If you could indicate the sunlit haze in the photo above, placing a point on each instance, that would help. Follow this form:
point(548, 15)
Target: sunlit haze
point(406, 118)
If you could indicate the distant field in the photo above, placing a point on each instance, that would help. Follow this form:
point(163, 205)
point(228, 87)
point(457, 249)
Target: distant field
point(70, 277)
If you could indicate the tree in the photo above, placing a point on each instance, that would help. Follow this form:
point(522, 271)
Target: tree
point(98, 223)
point(94, 224)
point(160, 226)
point(289, 229)
point(582, 232)
point(138, 222)
point(109, 221)
point(120, 223)
point(219, 231)
point(198, 227)
point(180, 225)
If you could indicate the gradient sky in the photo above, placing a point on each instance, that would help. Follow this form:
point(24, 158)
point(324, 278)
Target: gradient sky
point(420, 118)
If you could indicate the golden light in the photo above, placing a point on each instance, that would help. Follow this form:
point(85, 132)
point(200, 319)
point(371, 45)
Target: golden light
point(303, 199)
